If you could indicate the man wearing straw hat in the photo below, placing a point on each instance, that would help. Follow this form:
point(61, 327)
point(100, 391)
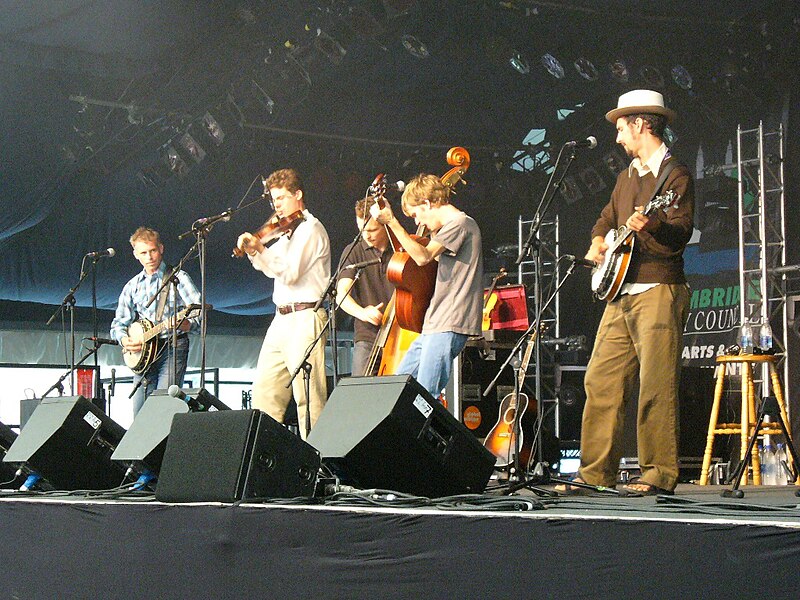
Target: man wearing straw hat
point(639, 338)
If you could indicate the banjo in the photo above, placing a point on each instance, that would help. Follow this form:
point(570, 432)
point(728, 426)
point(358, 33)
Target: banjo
point(607, 277)
point(145, 332)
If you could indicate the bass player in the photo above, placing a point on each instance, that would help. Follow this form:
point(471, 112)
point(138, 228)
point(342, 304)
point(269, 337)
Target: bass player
point(455, 310)
point(149, 251)
point(371, 291)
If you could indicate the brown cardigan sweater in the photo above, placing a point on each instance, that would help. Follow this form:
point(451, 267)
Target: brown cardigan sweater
point(658, 254)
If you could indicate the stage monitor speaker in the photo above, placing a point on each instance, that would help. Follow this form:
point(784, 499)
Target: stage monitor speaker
point(146, 439)
point(234, 455)
point(7, 472)
point(390, 433)
point(69, 442)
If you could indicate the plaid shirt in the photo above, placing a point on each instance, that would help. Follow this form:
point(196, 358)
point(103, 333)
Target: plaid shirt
point(137, 293)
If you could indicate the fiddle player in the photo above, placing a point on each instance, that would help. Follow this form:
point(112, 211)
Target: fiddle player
point(455, 310)
point(371, 291)
point(299, 262)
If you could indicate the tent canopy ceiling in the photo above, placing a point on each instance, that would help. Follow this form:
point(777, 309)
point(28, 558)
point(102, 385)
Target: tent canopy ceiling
point(96, 96)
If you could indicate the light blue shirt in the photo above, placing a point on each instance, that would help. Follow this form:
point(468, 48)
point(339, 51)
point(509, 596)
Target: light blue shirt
point(138, 292)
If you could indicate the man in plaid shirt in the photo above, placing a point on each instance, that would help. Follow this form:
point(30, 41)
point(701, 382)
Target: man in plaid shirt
point(149, 251)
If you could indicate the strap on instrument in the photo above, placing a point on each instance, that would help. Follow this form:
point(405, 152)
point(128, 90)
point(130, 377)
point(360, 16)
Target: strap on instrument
point(662, 178)
point(162, 297)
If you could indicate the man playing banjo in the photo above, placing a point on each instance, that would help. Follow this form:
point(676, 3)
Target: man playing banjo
point(640, 334)
point(154, 363)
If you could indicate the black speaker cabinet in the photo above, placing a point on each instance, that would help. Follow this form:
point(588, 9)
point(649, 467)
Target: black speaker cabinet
point(69, 442)
point(478, 368)
point(389, 433)
point(7, 437)
point(145, 441)
point(234, 455)
point(696, 394)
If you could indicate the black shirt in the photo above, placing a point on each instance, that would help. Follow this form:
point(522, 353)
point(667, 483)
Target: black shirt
point(371, 288)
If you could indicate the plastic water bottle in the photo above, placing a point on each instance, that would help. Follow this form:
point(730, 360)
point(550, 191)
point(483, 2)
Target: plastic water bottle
point(746, 338)
point(769, 475)
point(765, 336)
point(780, 461)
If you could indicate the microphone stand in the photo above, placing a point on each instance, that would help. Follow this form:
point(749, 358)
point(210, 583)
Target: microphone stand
point(541, 474)
point(304, 365)
point(531, 241)
point(98, 385)
point(172, 280)
point(200, 229)
point(330, 289)
point(58, 384)
point(68, 303)
point(545, 201)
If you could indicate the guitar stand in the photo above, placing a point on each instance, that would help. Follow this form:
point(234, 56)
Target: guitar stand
point(769, 406)
point(541, 473)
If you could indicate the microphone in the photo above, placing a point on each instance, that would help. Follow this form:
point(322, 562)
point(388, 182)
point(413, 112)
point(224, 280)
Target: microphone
point(397, 186)
point(176, 392)
point(100, 341)
point(102, 253)
point(590, 142)
point(581, 262)
point(573, 342)
point(362, 264)
point(223, 217)
point(380, 181)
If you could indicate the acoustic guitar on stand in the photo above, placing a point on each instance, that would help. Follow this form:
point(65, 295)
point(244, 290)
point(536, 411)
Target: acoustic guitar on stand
point(501, 440)
point(607, 277)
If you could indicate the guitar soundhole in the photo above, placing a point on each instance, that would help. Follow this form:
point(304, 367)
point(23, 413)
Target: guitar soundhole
point(509, 415)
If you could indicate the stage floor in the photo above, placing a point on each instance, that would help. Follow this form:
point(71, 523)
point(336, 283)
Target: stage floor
point(695, 544)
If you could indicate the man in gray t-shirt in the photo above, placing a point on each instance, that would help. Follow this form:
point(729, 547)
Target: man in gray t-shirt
point(455, 309)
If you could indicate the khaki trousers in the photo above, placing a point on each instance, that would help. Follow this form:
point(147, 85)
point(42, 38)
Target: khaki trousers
point(285, 344)
point(640, 339)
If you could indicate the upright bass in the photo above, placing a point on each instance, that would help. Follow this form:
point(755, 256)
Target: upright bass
point(414, 285)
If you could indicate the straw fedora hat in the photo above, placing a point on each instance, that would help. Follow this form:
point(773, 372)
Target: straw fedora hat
point(640, 101)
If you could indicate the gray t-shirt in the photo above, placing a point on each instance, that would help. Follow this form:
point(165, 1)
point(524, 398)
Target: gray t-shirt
point(457, 303)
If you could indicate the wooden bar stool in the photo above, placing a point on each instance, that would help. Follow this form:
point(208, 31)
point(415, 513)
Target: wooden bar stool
point(749, 414)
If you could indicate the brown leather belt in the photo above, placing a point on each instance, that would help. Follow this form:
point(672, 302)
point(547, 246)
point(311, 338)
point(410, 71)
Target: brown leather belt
point(295, 307)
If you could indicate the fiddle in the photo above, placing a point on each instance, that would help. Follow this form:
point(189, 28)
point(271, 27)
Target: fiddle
point(275, 227)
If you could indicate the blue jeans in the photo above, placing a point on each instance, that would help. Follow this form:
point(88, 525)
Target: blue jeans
point(157, 375)
point(430, 359)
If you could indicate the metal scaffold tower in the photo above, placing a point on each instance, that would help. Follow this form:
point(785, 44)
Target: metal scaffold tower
point(762, 237)
point(540, 283)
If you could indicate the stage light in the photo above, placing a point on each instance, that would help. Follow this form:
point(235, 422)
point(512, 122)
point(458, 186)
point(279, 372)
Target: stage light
point(619, 71)
point(397, 8)
point(586, 69)
point(262, 97)
point(501, 53)
point(681, 77)
point(569, 190)
point(329, 47)
point(195, 150)
point(213, 129)
point(174, 161)
point(652, 77)
point(415, 47)
point(519, 63)
point(592, 180)
point(552, 66)
point(615, 162)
